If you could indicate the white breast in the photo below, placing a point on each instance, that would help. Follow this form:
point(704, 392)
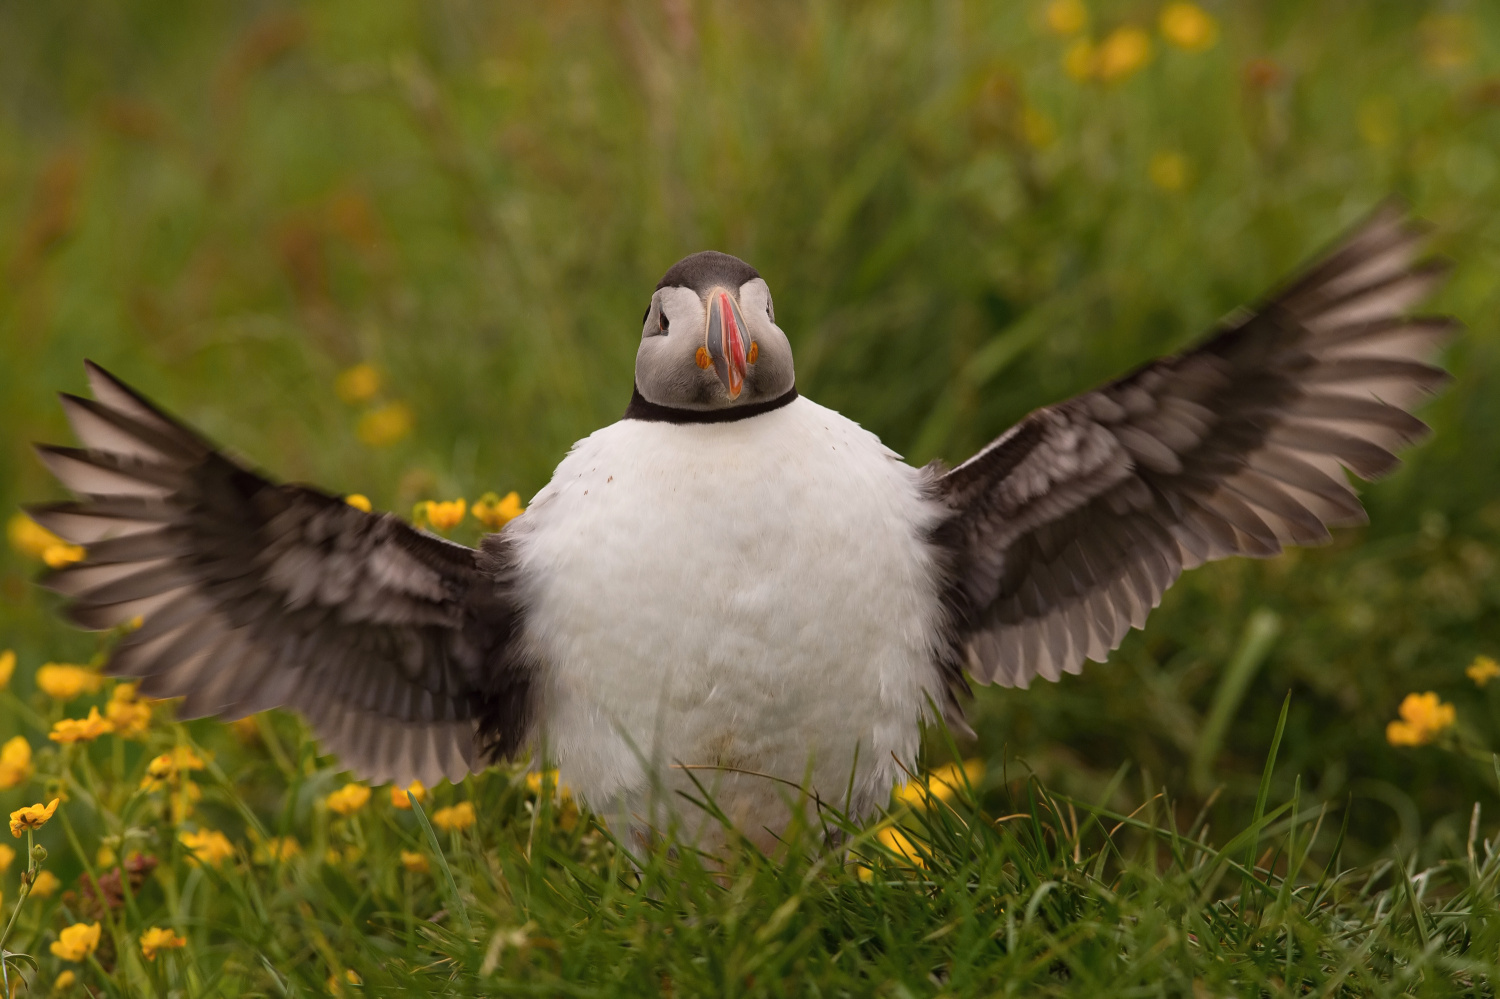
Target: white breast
point(747, 596)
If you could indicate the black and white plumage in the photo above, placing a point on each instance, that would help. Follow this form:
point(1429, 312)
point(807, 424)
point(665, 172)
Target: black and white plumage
point(732, 582)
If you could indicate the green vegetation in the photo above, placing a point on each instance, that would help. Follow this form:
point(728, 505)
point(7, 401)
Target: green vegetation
point(964, 210)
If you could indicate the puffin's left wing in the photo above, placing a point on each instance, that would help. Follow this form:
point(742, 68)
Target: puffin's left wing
point(1066, 530)
point(394, 643)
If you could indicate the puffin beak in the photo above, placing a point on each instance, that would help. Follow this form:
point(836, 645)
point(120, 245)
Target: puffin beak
point(726, 340)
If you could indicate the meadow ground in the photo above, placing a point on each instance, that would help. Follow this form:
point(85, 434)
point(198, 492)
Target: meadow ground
point(400, 250)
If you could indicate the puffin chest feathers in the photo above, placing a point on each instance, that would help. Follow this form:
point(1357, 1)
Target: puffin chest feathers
point(747, 596)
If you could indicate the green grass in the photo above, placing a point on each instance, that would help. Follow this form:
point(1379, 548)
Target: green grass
point(230, 204)
point(1007, 888)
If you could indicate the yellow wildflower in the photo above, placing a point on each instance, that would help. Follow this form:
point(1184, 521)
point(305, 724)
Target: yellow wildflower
point(129, 717)
point(539, 779)
point(7, 667)
point(167, 767)
point(31, 817)
point(209, 845)
point(156, 939)
point(442, 515)
point(1188, 26)
point(351, 854)
point(359, 501)
point(348, 799)
point(1078, 60)
point(7, 857)
point(494, 512)
point(1168, 170)
point(414, 862)
point(64, 981)
point(45, 885)
point(1423, 716)
point(357, 384)
point(401, 797)
point(29, 538)
point(282, 848)
point(77, 942)
point(335, 987)
point(1067, 17)
point(247, 729)
point(15, 762)
point(57, 556)
point(1125, 51)
point(942, 784)
point(386, 424)
point(81, 729)
point(456, 818)
point(64, 682)
point(105, 857)
point(1482, 670)
point(898, 842)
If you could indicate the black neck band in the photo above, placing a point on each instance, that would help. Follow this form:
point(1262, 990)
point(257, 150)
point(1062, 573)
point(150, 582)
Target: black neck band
point(641, 408)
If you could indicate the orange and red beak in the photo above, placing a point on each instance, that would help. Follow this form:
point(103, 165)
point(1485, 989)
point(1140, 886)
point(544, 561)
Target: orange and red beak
point(728, 340)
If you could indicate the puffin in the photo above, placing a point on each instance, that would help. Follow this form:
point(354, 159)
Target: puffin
point(733, 594)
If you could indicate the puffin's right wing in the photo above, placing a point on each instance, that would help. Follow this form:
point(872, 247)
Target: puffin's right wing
point(394, 643)
point(1066, 530)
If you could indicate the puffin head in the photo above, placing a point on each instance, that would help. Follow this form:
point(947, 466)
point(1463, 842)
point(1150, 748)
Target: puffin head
point(710, 339)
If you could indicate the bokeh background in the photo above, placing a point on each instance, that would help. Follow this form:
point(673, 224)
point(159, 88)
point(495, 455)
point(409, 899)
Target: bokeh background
point(964, 210)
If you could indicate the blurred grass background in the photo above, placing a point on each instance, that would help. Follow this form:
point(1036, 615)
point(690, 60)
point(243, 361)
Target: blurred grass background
point(964, 210)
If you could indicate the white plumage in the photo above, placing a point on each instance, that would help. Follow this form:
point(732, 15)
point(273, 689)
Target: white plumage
point(756, 595)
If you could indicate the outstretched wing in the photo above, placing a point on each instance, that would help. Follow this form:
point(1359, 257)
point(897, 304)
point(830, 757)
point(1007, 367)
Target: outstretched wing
point(1066, 530)
point(394, 643)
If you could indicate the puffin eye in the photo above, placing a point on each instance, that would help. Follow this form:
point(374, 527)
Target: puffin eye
point(663, 322)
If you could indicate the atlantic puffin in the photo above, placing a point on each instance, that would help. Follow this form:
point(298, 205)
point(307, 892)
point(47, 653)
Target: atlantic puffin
point(733, 590)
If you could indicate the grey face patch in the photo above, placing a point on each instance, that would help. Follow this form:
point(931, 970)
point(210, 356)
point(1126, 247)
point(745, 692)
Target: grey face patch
point(702, 271)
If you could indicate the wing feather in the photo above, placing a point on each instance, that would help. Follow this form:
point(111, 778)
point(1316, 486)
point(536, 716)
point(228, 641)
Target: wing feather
point(1066, 530)
point(256, 594)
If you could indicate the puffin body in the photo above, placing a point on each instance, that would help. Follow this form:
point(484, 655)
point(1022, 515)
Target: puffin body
point(756, 597)
point(733, 590)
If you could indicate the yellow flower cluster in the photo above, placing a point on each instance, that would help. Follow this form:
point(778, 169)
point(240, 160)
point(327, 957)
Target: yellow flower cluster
point(81, 729)
point(1126, 49)
point(348, 799)
point(15, 762)
point(158, 939)
point(76, 942)
point(402, 797)
point(494, 512)
point(209, 846)
point(414, 862)
point(63, 682)
point(31, 817)
point(7, 667)
point(455, 818)
point(1423, 718)
point(359, 501)
point(129, 714)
